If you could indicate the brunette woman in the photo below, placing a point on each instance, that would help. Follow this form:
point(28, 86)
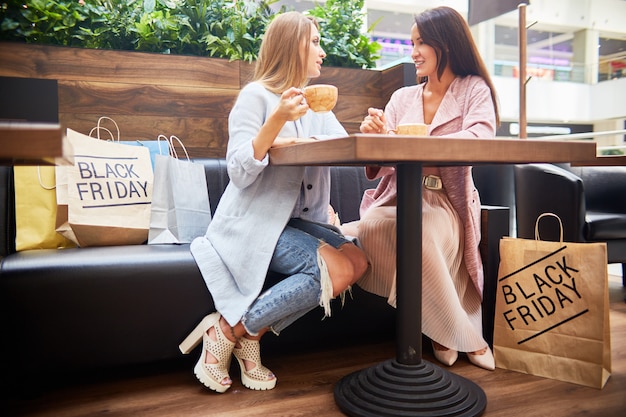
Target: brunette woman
point(454, 98)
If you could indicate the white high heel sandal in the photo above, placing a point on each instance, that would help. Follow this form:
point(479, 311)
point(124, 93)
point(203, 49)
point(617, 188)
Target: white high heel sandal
point(210, 375)
point(257, 377)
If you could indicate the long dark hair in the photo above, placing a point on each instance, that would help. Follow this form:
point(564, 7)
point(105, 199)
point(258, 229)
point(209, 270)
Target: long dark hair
point(444, 29)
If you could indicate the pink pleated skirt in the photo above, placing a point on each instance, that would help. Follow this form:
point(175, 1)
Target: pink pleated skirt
point(451, 305)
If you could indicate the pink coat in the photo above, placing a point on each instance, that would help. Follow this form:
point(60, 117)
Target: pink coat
point(466, 111)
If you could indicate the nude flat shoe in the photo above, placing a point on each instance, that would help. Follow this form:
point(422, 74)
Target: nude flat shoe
point(447, 357)
point(485, 361)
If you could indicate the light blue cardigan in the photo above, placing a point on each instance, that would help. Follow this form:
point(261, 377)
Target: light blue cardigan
point(234, 254)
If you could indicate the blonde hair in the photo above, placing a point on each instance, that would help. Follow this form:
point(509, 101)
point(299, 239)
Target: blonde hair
point(280, 64)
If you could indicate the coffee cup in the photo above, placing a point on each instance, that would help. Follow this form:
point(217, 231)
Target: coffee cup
point(321, 97)
point(411, 129)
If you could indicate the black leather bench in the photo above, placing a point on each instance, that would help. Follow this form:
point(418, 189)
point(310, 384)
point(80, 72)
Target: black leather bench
point(97, 307)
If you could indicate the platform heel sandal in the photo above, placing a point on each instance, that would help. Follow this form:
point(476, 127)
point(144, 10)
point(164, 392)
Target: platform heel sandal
point(257, 377)
point(210, 375)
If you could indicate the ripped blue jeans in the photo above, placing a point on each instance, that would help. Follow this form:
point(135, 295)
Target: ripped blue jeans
point(298, 290)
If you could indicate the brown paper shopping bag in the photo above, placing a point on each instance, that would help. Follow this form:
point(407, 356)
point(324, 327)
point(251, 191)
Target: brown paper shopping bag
point(552, 310)
point(62, 222)
point(109, 192)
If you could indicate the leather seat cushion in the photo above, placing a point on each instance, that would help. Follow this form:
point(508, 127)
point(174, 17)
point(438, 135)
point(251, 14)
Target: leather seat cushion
point(604, 226)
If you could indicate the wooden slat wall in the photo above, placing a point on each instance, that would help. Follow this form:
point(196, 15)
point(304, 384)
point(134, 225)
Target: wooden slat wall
point(151, 94)
point(396, 77)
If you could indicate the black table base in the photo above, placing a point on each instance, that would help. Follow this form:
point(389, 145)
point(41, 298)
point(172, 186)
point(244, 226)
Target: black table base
point(393, 389)
point(408, 385)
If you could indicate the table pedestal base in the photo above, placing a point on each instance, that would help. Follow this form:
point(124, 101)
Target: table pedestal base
point(394, 389)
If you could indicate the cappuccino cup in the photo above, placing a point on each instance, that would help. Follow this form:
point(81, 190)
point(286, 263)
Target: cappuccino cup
point(320, 97)
point(411, 129)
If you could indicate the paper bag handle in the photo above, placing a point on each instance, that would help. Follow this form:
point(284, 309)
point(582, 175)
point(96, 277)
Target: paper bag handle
point(170, 144)
point(550, 215)
point(45, 187)
point(98, 128)
point(181, 145)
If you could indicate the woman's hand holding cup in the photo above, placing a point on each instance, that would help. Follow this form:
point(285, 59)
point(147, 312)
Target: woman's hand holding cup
point(292, 105)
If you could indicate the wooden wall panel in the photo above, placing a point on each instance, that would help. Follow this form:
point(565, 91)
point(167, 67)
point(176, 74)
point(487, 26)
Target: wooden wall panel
point(147, 99)
point(187, 96)
point(358, 90)
point(246, 72)
point(198, 116)
point(202, 136)
point(396, 77)
point(353, 108)
point(78, 64)
point(352, 81)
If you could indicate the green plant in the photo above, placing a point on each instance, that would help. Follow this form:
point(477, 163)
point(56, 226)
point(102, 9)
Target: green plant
point(341, 28)
point(158, 26)
point(41, 21)
point(109, 24)
point(608, 152)
point(195, 25)
point(84, 23)
point(231, 29)
point(236, 28)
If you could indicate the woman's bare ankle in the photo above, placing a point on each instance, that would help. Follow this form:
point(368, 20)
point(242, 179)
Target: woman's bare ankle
point(228, 331)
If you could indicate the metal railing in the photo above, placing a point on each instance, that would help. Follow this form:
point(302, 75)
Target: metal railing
point(601, 150)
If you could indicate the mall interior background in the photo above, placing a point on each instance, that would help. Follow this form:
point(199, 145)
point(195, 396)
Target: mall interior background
point(576, 60)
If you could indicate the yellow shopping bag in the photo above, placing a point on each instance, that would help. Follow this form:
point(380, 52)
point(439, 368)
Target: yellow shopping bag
point(36, 209)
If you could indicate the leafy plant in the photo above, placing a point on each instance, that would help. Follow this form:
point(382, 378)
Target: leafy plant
point(41, 21)
point(158, 26)
point(612, 152)
point(341, 25)
point(109, 24)
point(195, 24)
point(91, 24)
point(230, 29)
point(237, 27)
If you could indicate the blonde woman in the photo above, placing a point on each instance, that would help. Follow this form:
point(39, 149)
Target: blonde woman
point(270, 218)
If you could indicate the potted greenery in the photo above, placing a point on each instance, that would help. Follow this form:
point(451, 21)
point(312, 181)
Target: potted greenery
point(174, 66)
point(215, 28)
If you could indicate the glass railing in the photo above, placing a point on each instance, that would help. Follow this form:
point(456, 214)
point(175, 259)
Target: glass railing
point(612, 68)
point(573, 72)
point(395, 51)
point(619, 148)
